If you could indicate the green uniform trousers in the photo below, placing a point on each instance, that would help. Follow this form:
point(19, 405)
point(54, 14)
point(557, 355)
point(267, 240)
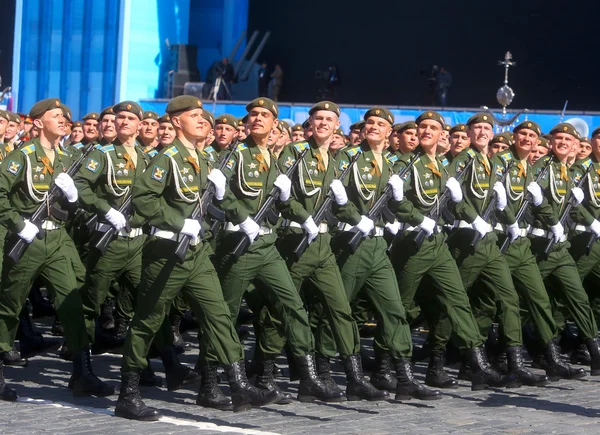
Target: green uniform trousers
point(163, 278)
point(262, 264)
point(588, 266)
point(487, 279)
point(55, 259)
point(369, 269)
point(3, 233)
point(433, 260)
point(564, 284)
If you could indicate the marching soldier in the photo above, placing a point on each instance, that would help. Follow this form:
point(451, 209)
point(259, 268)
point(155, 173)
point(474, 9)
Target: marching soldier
point(225, 134)
point(90, 127)
point(25, 179)
point(459, 140)
point(148, 134)
point(297, 133)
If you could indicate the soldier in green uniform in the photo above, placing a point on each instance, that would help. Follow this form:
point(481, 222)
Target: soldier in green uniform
point(225, 134)
point(253, 172)
point(25, 178)
point(317, 265)
point(500, 142)
point(523, 266)
point(166, 195)
point(426, 182)
point(107, 127)
point(369, 268)
point(297, 133)
point(90, 127)
point(166, 134)
point(459, 140)
point(559, 267)
point(148, 134)
point(354, 135)
point(484, 271)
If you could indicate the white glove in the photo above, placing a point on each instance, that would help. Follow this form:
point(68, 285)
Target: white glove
point(536, 193)
point(577, 195)
point(558, 231)
point(428, 225)
point(365, 225)
point(339, 192)
point(65, 183)
point(501, 199)
point(116, 219)
point(284, 184)
point(481, 226)
point(191, 227)
point(397, 187)
point(311, 229)
point(251, 228)
point(595, 227)
point(29, 232)
point(455, 190)
point(219, 180)
point(393, 228)
point(513, 231)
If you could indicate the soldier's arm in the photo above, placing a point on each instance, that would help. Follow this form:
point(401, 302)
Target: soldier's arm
point(12, 171)
point(508, 215)
point(292, 209)
point(92, 172)
point(405, 210)
point(348, 212)
point(544, 212)
point(580, 214)
point(234, 210)
point(463, 210)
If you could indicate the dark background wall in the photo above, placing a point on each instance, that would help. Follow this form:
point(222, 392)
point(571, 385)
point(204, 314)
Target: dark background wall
point(7, 32)
point(381, 46)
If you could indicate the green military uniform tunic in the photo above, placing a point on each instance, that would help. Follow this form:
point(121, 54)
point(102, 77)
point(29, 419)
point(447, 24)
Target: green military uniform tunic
point(26, 175)
point(4, 150)
point(424, 185)
point(251, 180)
point(559, 267)
point(369, 268)
point(165, 195)
point(104, 182)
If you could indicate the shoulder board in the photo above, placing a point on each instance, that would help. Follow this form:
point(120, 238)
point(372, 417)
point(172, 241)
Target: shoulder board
point(97, 146)
point(506, 158)
point(59, 151)
point(352, 151)
point(301, 146)
point(152, 152)
point(107, 148)
point(445, 162)
point(28, 149)
point(209, 150)
point(170, 152)
point(586, 163)
point(391, 158)
point(471, 153)
point(241, 146)
point(78, 146)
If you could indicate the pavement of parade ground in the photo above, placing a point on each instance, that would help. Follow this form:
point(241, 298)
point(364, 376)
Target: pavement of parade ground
point(46, 406)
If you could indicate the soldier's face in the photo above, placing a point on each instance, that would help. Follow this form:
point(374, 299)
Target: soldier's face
point(323, 124)
point(274, 136)
point(562, 145)
point(90, 130)
point(377, 129)
point(354, 137)
point(337, 142)
point(497, 147)
point(149, 129)
point(261, 121)
point(395, 140)
point(525, 141)
point(3, 124)
point(242, 132)
point(166, 133)
point(458, 142)
point(409, 139)
point(107, 126)
point(429, 132)
point(536, 153)
point(224, 135)
point(585, 149)
point(127, 124)
point(443, 144)
point(596, 145)
point(191, 124)
point(297, 135)
point(11, 130)
point(284, 139)
point(480, 134)
point(53, 123)
point(76, 134)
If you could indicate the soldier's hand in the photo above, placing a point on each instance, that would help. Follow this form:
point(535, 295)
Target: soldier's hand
point(311, 229)
point(365, 225)
point(397, 186)
point(577, 195)
point(481, 226)
point(284, 184)
point(595, 227)
point(219, 180)
point(455, 191)
point(558, 231)
point(393, 227)
point(339, 192)
point(29, 232)
point(65, 183)
point(251, 228)
point(536, 193)
point(501, 199)
point(513, 231)
point(428, 225)
point(191, 227)
point(116, 219)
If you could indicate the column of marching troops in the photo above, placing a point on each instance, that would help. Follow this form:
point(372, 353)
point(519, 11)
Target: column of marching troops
point(408, 222)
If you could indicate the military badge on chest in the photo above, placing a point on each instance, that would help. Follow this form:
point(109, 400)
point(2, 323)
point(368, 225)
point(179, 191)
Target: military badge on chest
point(366, 174)
point(252, 170)
point(428, 179)
point(515, 176)
point(186, 174)
point(481, 173)
point(38, 174)
point(313, 168)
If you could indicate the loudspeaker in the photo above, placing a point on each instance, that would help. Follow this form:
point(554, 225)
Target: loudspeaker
point(183, 57)
point(177, 80)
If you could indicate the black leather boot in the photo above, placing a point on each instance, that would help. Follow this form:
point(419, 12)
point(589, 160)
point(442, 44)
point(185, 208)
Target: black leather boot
point(57, 328)
point(130, 404)
point(210, 395)
point(107, 314)
point(180, 344)
point(436, 375)
point(465, 373)
point(121, 325)
point(517, 369)
point(13, 358)
point(84, 382)
point(177, 374)
point(41, 307)
point(31, 342)
point(324, 372)
point(484, 375)
point(555, 367)
point(6, 393)
point(594, 349)
point(244, 395)
point(358, 388)
point(148, 378)
point(311, 387)
point(581, 355)
point(383, 378)
point(408, 387)
point(105, 341)
point(265, 380)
